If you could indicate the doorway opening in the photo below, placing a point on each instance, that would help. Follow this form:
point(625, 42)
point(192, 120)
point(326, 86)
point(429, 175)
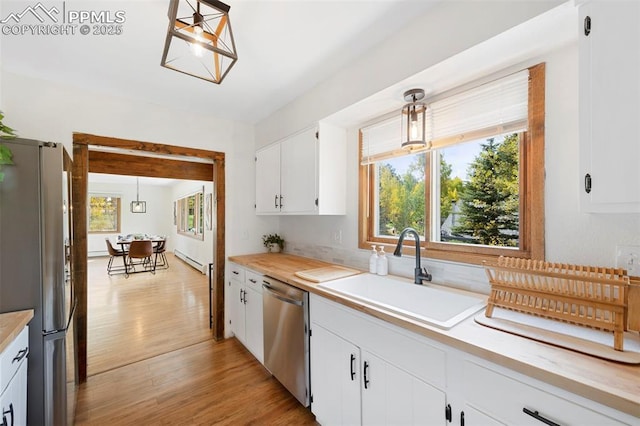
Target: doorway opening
point(102, 154)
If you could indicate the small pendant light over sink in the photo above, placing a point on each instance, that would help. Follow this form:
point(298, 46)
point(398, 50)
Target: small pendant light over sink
point(413, 120)
point(199, 39)
point(138, 206)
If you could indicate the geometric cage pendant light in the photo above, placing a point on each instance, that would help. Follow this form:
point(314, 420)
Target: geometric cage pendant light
point(413, 120)
point(199, 39)
point(138, 206)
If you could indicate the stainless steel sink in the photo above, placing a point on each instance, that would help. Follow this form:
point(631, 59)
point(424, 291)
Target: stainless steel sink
point(442, 308)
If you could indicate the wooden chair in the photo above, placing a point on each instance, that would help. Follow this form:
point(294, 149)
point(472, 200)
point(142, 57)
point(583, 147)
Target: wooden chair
point(159, 250)
point(113, 253)
point(141, 250)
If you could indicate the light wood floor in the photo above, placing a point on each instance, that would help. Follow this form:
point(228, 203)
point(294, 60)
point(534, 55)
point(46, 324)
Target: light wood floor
point(151, 359)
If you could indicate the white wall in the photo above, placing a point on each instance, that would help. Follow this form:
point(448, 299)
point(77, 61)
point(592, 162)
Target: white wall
point(158, 220)
point(52, 112)
point(199, 250)
point(445, 30)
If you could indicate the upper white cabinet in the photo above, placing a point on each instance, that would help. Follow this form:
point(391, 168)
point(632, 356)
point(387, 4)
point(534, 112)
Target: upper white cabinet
point(303, 174)
point(609, 106)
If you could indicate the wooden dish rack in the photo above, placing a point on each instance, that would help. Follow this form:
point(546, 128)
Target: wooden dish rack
point(584, 295)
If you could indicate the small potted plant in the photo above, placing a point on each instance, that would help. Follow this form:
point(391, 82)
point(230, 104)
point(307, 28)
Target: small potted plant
point(273, 242)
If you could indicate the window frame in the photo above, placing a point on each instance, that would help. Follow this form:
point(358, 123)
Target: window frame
point(182, 214)
point(531, 196)
point(118, 199)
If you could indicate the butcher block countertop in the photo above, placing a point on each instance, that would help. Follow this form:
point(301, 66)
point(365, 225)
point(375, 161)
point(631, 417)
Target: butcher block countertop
point(613, 384)
point(11, 324)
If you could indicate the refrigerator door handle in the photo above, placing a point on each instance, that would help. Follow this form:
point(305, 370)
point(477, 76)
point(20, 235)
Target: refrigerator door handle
point(71, 313)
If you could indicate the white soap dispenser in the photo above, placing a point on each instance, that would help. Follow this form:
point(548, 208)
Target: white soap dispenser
point(373, 261)
point(383, 263)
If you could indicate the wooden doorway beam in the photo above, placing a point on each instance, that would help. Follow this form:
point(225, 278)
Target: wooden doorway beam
point(138, 165)
point(82, 164)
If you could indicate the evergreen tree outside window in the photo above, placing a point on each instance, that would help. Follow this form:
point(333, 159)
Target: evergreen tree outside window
point(104, 214)
point(478, 194)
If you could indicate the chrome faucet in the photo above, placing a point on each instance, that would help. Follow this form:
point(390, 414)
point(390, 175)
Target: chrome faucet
point(420, 274)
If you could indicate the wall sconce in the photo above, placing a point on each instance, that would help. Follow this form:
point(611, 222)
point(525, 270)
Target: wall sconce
point(199, 40)
point(138, 206)
point(413, 119)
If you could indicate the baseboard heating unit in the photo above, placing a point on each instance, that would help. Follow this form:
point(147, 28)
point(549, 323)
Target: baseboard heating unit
point(190, 261)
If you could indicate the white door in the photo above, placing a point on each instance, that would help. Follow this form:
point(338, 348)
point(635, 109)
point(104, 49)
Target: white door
point(335, 378)
point(391, 396)
point(237, 310)
point(268, 179)
point(610, 106)
point(253, 324)
point(299, 172)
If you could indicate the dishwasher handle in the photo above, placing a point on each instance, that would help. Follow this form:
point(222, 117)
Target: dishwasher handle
point(280, 296)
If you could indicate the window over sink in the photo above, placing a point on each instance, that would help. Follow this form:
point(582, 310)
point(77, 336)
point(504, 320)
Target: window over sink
point(479, 191)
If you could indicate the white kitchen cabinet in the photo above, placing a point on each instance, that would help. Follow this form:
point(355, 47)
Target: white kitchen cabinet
point(335, 378)
point(391, 396)
point(493, 395)
point(268, 180)
point(358, 376)
point(245, 293)
point(254, 333)
point(13, 380)
point(303, 174)
point(414, 380)
point(609, 106)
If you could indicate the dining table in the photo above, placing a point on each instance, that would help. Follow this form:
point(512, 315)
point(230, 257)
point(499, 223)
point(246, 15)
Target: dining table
point(124, 244)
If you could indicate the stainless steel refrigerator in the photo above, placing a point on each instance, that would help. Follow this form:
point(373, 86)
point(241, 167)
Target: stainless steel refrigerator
point(36, 233)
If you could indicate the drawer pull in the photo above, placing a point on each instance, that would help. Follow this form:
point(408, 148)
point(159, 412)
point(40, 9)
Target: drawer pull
point(252, 280)
point(20, 355)
point(538, 417)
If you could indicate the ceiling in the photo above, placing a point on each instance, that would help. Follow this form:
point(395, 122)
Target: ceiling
point(285, 47)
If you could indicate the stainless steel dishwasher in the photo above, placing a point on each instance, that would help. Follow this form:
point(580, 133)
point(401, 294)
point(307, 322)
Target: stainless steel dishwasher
point(286, 336)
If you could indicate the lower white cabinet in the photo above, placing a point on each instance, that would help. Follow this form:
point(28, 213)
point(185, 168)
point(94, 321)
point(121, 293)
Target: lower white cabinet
point(245, 297)
point(13, 381)
point(366, 371)
point(335, 378)
point(357, 378)
point(493, 395)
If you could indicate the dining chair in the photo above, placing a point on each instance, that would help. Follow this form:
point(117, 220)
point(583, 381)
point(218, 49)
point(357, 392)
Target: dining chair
point(159, 250)
point(141, 250)
point(113, 253)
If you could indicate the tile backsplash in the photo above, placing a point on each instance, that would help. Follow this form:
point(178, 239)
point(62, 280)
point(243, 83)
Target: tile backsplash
point(458, 275)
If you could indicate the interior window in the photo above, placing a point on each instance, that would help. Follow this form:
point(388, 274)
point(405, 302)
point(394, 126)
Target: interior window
point(190, 215)
point(477, 192)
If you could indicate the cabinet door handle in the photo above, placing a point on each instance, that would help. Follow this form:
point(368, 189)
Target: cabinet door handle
point(366, 375)
point(281, 205)
point(587, 25)
point(275, 201)
point(353, 367)
point(461, 418)
point(4, 418)
point(241, 296)
point(235, 272)
point(538, 417)
point(21, 354)
point(252, 280)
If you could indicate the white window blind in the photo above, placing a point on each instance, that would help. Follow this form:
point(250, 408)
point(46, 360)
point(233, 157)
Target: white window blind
point(499, 106)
